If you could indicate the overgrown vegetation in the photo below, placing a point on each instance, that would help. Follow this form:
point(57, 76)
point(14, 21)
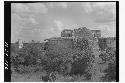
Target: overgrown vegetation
point(72, 64)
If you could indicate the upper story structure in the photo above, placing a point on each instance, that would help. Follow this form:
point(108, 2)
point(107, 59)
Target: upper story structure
point(66, 33)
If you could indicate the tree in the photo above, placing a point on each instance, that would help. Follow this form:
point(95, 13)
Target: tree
point(27, 56)
point(110, 58)
point(68, 60)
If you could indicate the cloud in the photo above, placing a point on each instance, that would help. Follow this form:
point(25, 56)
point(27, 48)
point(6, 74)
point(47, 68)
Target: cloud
point(107, 30)
point(38, 8)
point(26, 13)
point(29, 8)
point(19, 24)
point(58, 4)
point(23, 21)
point(33, 21)
point(50, 4)
point(19, 7)
point(63, 4)
point(101, 11)
point(59, 25)
point(87, 7)
point(15, 26)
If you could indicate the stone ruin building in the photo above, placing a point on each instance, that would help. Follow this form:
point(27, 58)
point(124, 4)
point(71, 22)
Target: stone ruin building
point(70, 37)
point(66, 33)
point(96, 43)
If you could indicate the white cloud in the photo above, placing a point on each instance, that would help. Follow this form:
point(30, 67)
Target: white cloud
point(38, 8)
point(23, 18)
point(106, 6)
point(87, 7)
point(19, 24)
point(29, 8)
point(33, 21)
point(58, 4)
point(19, 7)
point(50, 4)
point(101, 11)
point(93, 6)
point(103, 4)
point(108, 30)
point(63, 4)
point(59, 25)
point(17, 19)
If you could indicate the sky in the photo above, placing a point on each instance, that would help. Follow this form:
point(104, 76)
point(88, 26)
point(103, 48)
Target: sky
point(39, 21)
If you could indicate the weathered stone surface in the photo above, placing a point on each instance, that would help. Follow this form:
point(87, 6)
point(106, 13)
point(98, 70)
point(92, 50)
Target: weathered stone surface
point(66, 33)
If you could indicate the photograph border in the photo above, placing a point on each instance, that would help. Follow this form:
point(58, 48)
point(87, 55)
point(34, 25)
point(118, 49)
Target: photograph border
point(7, 35)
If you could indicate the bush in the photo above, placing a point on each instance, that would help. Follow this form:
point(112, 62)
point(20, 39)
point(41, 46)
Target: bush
point(74, 63)
point(110, 73)
point(27, 56)
point(109, 58)
point(68, 61)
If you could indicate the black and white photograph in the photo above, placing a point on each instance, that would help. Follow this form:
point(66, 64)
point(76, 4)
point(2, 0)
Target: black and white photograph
point(61, 41)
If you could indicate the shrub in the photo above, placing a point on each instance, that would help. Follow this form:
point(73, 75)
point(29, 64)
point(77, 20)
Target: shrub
point(68, 61)
point(27, 56)
point(110, 73)
point(109, 58)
